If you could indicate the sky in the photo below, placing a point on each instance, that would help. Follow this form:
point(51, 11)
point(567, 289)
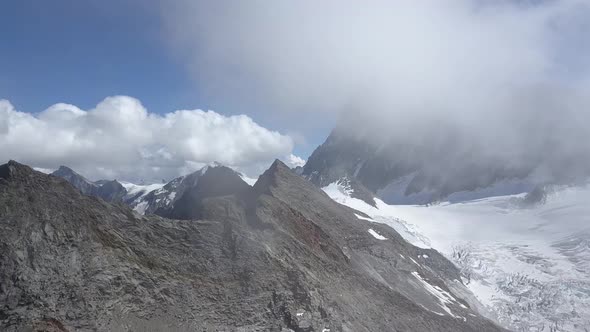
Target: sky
point(102, 85)
point(80, 53)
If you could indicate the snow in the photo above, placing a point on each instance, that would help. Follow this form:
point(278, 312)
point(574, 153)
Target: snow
point(529, 266)
point(138, 192)
point(44, 170)
point(248, 180)
point(444, 297)
point(377, 235)
point(363, 218)
point(141, 207)
point(134, 189)
point(395, 192)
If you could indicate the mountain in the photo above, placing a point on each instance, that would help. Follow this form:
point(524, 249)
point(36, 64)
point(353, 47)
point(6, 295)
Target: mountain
point(527, 259)
point(208, 182)
point(163, 199)
point(110, 191)
point(415, 171)
point(281, 257)
point(78, 181)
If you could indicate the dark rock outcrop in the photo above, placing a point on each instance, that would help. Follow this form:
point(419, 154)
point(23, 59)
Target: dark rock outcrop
point(72, 262)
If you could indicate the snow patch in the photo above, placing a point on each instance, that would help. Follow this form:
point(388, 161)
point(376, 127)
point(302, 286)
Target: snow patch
point(134, 189)
point(444, 297)
point(248, 180)
point(141, 207)
point(363, 218)
point(376, 235)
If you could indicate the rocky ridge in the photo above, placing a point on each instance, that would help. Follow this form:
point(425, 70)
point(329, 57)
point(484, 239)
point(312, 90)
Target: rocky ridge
point(277, 257)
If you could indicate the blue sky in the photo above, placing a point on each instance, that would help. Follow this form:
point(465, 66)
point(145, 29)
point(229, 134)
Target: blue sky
point(80, 52)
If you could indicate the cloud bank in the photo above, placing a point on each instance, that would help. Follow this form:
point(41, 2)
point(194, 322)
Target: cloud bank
point(120, 139)
point(510, 78)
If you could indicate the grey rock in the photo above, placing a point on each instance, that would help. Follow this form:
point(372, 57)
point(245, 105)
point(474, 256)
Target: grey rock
point(251, 263)
point(110, 191)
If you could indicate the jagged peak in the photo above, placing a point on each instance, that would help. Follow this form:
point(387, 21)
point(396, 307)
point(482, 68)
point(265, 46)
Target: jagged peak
point(205, 168)
point(14, 169)
point(64, 168)
point(67, 171)
point(218, 169)
point(278, 166)
point(270, 177)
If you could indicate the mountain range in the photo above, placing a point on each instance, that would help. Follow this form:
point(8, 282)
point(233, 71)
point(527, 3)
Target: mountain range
point(280, 255)
point(369, 235)
point(161, 198)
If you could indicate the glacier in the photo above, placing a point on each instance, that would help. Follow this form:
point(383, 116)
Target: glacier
point(528, 265)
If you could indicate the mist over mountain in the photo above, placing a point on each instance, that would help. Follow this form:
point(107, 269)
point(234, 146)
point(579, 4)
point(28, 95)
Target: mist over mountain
point(434, 164)
point(443, 96)
point(505, 82)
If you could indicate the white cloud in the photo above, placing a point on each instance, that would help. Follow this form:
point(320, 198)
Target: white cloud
point(294, 161)
point(119, 138)
point(510, 78)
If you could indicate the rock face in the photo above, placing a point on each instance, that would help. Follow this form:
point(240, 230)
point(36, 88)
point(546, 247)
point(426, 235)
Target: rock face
point(402, 172)
point(110, 191)
point(78, 181)
point(165, 200)
point(207, 183)
point(281, 256)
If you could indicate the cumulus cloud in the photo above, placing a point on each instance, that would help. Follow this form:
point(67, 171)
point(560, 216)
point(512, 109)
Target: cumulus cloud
point(120, 139)
point(294, 161)
point(510, 77)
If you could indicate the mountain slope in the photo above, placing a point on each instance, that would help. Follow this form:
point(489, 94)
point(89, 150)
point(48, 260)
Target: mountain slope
point(210, 182)
point(525, 258)
point(158, 199)
point(78, 181)
point(274, 260)
point(110, 191)
point(410, 170)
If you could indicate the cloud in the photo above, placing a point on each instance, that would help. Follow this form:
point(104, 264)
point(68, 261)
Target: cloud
point(119, 138)
point(294, 161)
point(510, 78)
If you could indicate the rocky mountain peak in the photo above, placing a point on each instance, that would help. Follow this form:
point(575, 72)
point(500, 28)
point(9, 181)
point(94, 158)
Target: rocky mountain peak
point(210, 182)
point(14, 170)
point(272, 175)
point(68, 173)
point(316, 267)
point(65, 170)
